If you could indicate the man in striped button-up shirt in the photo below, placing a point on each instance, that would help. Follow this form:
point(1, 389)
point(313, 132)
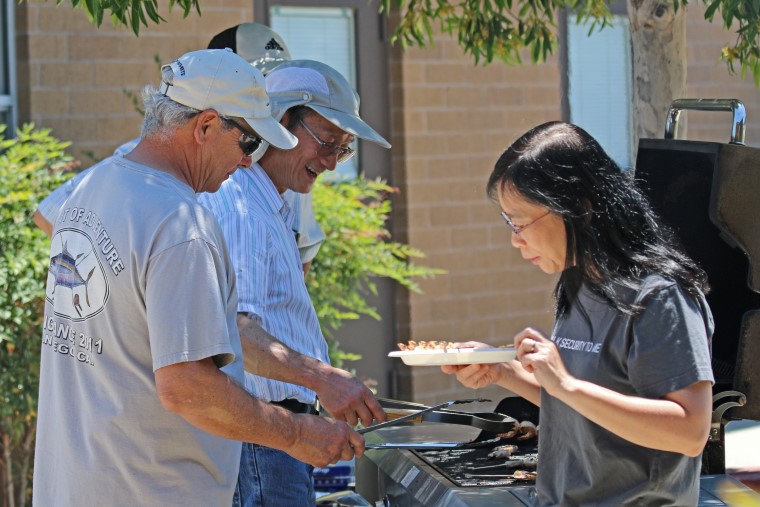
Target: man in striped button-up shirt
point(282, 341)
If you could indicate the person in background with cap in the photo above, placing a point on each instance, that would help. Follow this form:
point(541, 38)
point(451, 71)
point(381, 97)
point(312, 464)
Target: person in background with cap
point(263, 48)
point(275, 313)
point(140, 398)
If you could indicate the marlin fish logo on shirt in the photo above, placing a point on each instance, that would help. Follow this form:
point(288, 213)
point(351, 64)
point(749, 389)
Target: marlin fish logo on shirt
point(64, 269)
point(75, 266)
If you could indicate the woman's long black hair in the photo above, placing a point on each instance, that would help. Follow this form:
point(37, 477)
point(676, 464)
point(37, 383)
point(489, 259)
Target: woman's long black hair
point(614, 237)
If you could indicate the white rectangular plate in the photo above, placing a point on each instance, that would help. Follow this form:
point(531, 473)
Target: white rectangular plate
point(455, 356)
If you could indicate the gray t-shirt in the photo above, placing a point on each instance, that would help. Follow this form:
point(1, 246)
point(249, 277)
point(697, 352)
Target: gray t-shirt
point(139, 279)
point(663, 349)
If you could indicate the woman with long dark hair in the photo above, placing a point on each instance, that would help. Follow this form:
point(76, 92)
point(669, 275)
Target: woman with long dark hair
point(624, 380)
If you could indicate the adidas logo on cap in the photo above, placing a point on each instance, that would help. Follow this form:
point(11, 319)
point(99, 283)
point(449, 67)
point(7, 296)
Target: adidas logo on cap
point(272, 44)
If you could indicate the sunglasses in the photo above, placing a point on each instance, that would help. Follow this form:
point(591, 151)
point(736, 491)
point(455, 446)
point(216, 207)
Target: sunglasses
point(517, 230)
point(328, 150)
point(248, 142)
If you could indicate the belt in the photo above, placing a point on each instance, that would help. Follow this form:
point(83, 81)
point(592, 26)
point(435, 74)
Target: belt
point(296, 406)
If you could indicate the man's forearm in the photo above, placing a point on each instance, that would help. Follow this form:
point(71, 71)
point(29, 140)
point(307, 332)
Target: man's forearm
point(205, 397)
point(41, 222)
point(217, 404)
point(266, 356)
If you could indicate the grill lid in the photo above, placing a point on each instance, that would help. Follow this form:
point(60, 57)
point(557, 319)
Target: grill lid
point(708, 193)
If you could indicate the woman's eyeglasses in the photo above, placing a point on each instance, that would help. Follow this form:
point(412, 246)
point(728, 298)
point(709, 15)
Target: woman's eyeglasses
point(248, 142)
point(518, 230)
point(328, 150)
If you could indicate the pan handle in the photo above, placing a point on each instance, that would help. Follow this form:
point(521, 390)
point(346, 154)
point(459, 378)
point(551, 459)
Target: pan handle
point(736, 107)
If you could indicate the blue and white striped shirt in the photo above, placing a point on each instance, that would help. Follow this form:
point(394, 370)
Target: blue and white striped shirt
point(258, 227)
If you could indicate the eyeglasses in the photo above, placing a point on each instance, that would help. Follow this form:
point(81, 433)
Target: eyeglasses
point(518, 230)
point(329, 149)
point(248, 142)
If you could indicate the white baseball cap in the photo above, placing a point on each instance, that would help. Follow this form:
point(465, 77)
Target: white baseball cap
point(257, 44)
point(320, 87)
point(221, 80)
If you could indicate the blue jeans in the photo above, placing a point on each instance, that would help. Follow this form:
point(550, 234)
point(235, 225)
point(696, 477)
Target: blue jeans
point(272, 478)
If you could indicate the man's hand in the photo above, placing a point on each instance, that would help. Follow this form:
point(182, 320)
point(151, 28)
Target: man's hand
point(322, 441)
point(347, 398)
point(340, 393)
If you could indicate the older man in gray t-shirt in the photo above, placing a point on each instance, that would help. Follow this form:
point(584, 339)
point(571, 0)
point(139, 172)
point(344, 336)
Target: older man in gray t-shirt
point(140, 313)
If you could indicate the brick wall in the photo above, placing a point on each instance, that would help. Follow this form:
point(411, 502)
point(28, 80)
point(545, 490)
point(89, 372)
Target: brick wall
point(707, 77)
point(451, 121)
point(73, 76)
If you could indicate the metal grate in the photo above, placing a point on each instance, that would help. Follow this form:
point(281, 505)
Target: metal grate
point(455, 463)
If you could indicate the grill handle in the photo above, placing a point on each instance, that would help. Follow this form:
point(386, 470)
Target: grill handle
point(736, 107)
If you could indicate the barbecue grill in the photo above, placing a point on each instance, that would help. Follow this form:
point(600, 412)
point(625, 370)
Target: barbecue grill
point(707, 192)
point(404, 478)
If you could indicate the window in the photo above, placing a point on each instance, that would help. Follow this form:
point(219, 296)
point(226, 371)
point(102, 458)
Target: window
point(599, 85)
point(324, 34)
point(7, 68)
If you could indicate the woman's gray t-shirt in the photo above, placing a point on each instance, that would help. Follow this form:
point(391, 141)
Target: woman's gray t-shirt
point(663, 349)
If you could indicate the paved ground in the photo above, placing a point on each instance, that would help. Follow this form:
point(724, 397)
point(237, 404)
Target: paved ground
point(743, 452)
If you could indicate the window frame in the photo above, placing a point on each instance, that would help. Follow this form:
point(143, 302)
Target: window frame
point(372, 75)
point(9, 97)
point(343, 59)
point(618, 8)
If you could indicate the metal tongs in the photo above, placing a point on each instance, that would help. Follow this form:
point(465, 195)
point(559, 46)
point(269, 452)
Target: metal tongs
point(415, 414)
point(488, 421)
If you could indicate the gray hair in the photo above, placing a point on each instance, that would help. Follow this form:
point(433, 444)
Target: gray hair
point(162, 115)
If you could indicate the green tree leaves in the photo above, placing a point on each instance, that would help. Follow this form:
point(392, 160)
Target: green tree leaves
point(130, 13)
point(491, 29)
point(506, 29)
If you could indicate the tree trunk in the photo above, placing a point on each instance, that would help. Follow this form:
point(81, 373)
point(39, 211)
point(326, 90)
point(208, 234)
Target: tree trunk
point(27, 450)
point(658, 40)
point(3, 499)
point(8, 479)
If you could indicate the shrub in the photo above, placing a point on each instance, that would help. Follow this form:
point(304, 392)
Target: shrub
point(31, 165)
point(358, 248)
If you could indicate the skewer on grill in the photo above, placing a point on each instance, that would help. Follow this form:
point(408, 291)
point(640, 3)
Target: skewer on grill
point(519, 475)
point(524, 431)
point(503, 452)
point(529, 462)
point(489, 467)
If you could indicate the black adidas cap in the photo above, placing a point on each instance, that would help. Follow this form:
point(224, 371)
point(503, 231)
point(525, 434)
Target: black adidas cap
point(258, 44)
